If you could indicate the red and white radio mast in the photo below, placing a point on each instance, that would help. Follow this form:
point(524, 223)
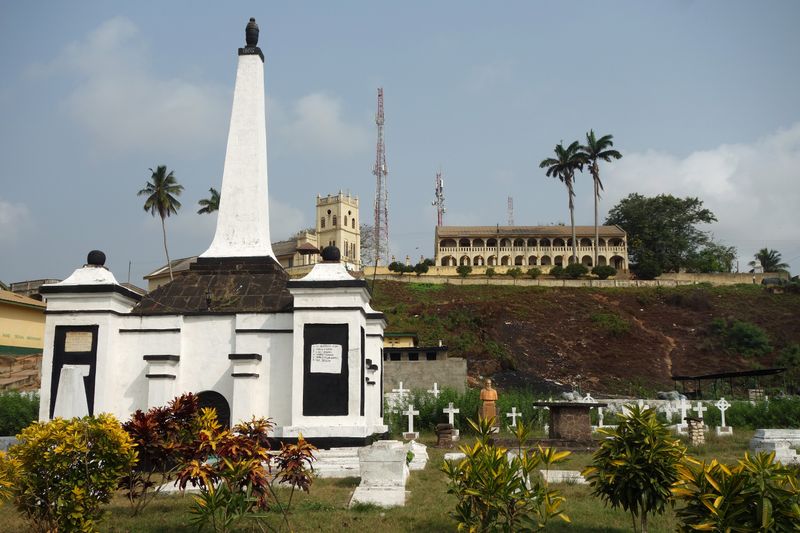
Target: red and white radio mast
point(381, 191)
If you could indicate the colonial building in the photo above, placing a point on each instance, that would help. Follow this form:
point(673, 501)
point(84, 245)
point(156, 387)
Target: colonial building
point(232, 328)
point(419, 367)
point(528, 246)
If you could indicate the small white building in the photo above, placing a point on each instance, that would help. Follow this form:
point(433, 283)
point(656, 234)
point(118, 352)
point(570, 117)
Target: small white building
point(232, 328)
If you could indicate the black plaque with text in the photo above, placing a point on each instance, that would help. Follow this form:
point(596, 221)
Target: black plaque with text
point(325, 370)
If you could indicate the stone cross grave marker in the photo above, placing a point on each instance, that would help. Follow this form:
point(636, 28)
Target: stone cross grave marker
point(435, 390)
point(684, 408)
point(410, 413)
point(450, 411)
point(699, 410)
point(669, 410)
point(599, 417)
point(588, 398)
point(723, 429)
point(513, 416)
point(401, 391)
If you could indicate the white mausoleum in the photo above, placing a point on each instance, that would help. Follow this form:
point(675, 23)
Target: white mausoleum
point(232, 328)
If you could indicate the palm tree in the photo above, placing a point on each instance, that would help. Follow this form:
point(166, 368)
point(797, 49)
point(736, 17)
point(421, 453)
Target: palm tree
point(161, 192)
point(770, 260)
point(210, 204)
point(593, 150)
point(563, 167)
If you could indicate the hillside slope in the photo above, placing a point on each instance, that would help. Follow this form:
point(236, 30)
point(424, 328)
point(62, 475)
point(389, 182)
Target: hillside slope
point(605, 340)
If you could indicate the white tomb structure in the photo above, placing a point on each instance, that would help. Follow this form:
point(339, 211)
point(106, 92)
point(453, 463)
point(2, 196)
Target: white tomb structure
point(232, 329)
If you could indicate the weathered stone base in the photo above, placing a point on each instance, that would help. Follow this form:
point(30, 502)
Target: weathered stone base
point(724, 431)
point(564, 476)
point(381, 496)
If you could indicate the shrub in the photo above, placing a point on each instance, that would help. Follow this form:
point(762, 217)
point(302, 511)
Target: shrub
point(421, 268)
point(514, 272)
point(604, 271)
point(163, 436)
point(17, 411)
point(696, 299)
point(68, 469)
point(575, 270)
point(496, 493)
point(741, 337)
point(490, 272)
point(556, 271)
point(534, 272)
point(242, 478)
point(611, 323)
point(647, 269)
point(464, 270)
point(428, 261)
point(757, 494)
point(8, 470)
point(636, 465)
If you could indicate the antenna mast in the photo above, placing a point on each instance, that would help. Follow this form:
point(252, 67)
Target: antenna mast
point(439, 201)
point(510, 211)
point(381, 192)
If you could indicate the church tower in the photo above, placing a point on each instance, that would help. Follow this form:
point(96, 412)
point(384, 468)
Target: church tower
point(338, 225)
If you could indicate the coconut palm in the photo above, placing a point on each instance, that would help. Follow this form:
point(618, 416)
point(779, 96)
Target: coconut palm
point(563, 167)
point(593, 150)
point(210, 204)
point(161, 192)
point(770, 260)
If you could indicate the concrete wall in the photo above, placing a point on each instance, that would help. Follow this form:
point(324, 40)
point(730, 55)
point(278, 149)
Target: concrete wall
point(450, 373)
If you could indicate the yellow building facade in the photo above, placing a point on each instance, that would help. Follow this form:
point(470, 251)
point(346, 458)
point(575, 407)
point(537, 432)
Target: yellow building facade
point(21, 324)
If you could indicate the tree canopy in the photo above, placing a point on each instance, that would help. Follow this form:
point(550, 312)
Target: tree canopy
point(771, 260)
point(662, 230)
point(210, 204)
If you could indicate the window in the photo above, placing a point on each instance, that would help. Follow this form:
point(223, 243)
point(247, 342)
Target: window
point(322, 222)
point(353, 222)
point(394, 356)
point(430, 356)
point(413, 356)
point(345, 220)
point(334, 221)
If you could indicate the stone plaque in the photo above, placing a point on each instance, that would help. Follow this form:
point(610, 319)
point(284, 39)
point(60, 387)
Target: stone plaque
point(326, 359)
point(78, 341)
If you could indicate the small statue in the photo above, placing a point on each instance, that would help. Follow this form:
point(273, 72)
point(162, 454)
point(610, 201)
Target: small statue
point(251, 33)
point(488, 408)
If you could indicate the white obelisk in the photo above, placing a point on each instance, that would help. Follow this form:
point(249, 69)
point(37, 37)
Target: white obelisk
point(243, 218)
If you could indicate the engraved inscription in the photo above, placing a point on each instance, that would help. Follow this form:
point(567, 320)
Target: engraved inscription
point(326, 359)
point(78, 341)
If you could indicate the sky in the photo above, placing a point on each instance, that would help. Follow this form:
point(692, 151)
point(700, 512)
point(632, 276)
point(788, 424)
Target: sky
point(702, 98)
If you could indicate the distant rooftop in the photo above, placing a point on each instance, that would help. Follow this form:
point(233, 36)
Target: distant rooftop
point(545, 231)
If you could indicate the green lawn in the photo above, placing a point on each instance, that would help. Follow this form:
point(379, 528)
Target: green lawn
point(325, 507)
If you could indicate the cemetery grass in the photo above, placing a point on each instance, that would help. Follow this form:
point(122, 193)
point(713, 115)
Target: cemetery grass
point(427, 506)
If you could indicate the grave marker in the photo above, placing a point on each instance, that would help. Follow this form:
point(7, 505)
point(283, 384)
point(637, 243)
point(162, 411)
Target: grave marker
point(410, 434)
point(435, 390)
point(513, 416)
point(723, 429)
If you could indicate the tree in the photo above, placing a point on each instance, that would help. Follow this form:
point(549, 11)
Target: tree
point(421, 268)
point(770, 260)
point(563, 167)
point(593, 150)
point(636, 465)
point(369, 245)
point(464, 270)
point(161, 192)
point(714, 257)
point(662, 230)
point(210, 204)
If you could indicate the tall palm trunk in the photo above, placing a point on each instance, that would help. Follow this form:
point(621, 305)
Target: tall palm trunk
point(596, 228)
point(164, 233)
point(572, 222)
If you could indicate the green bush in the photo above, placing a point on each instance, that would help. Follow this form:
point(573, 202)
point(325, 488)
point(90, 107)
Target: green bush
point(421, 268)
point(604, 271)
point(741, 337)
point(611, 323)
point(514, 272)
point(575, 270)
point(647, 270)
point(498, 493)
point(17, 411)
point(556, 271)
point(464, 270)
point(490, 272)
point(534, 272)
point(636, 465)
point(757, 494)
point(68, 469)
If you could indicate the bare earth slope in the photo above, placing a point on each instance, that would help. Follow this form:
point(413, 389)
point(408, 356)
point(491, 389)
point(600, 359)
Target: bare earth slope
point(605, 340)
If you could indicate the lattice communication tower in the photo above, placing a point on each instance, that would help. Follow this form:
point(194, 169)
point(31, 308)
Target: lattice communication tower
point(510, 211)
point(439, 201)
point(381, 171)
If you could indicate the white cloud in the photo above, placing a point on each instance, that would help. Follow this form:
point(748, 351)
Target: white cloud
point(14, 218)
point(124, 105)
point(753, 189)
point(315, 124)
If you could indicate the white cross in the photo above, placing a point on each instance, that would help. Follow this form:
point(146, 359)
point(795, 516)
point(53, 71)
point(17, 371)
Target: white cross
point(669, 411)
point(401, 391)
point(410, 413)
point(699, 409)
point(435, 390)
point(513, 416)
point(684, 407)
point(588, 398)
point(599, 417)
point(450, 411)
point(723, 405)
point(642, 405)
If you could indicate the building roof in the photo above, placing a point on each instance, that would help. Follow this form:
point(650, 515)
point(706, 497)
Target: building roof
point(282, 248)
point(18, 299)
point(178, 265)
point(539, 231)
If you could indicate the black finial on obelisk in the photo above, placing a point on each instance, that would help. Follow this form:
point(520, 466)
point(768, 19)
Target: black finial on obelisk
point(251, 40)
point(251, 33)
